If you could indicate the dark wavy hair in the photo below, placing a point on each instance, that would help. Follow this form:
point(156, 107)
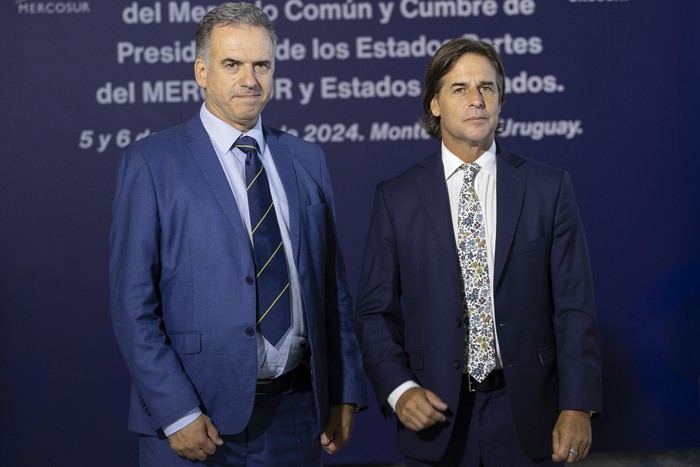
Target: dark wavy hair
point(442, 63)
point(231, 14)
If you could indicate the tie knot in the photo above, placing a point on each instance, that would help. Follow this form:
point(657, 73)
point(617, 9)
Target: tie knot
point(470, 171)
point(247, 144)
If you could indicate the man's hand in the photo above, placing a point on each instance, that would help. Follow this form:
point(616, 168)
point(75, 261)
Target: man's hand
point(339, 427)
point(419, 408)
point(197, 440)
point(572, 432)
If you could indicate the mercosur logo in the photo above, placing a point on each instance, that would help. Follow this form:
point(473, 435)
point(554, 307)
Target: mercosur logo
point(26, 7)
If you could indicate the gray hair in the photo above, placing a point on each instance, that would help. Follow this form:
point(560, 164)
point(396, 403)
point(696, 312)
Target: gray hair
point(231, 14)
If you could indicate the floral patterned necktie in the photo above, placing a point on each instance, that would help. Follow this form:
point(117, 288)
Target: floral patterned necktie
point(479, 349)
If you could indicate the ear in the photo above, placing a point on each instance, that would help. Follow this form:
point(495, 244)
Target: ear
point(435, 106)
point(200, 73)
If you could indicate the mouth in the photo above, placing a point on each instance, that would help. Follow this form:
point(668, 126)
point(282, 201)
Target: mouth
point(256, 95)
point(477, 121)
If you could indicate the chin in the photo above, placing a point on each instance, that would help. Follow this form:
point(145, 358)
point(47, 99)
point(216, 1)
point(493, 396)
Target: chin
point(477, 138)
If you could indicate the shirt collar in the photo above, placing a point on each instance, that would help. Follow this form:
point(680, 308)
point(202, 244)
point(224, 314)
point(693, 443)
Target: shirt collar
point(223, 135)
point(452, 163)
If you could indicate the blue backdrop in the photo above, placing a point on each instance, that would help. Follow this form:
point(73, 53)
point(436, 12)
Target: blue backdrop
point(604, 89)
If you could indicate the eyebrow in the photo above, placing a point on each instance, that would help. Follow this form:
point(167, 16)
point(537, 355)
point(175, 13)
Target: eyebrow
point(463, 84)
point(257, 62)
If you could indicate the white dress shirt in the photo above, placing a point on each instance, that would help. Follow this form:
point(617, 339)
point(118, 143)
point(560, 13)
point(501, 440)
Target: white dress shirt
point(485, 187)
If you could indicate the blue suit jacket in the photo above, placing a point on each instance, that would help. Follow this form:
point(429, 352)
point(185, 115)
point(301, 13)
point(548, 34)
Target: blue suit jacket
point(182, 294)
point(409, 314)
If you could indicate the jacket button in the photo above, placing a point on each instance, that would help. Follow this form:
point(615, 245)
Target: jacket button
point(456, 364)
point(459, 323)
point(249, 280)
point(250, 332)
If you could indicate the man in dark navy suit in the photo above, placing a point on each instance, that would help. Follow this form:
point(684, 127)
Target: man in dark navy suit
point(475, 314)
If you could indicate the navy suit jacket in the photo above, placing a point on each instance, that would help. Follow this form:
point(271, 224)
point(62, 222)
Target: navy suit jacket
point(182, 288)
point(409, 314)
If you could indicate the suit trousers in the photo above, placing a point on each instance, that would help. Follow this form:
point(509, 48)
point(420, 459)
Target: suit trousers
point(282, 432)
point(484, 435)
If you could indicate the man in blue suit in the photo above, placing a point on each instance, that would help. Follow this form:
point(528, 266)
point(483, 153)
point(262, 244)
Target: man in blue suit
point(212, 381)
point(475, 314)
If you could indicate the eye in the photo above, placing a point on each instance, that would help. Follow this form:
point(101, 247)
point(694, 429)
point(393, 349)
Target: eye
point(486, 88)
point(232, 65)
point(263, 67)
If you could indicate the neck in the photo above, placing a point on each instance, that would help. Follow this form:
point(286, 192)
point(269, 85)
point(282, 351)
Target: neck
point(468, 152)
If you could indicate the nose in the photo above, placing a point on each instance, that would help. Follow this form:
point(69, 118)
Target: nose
point(248, 77)
point(475, 98)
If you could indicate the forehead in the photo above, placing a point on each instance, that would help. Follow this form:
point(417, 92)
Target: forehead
point(241, 41)
point(471, 67)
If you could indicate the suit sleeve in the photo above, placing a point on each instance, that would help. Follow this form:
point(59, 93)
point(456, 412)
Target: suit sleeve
point(575, 325)
point(345, 376)
point(378, 315)
point(164, 389)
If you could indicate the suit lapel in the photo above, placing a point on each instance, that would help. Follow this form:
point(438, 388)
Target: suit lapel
point(203, 152)
point(510, 195)
point(287, 173)
point(432, 191)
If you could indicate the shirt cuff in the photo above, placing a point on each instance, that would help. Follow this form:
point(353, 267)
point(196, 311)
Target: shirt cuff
point(398, 392)
point(182, 422)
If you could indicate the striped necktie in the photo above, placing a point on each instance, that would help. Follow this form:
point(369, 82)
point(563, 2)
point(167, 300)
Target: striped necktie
point(479, 349)
point(273, 310)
